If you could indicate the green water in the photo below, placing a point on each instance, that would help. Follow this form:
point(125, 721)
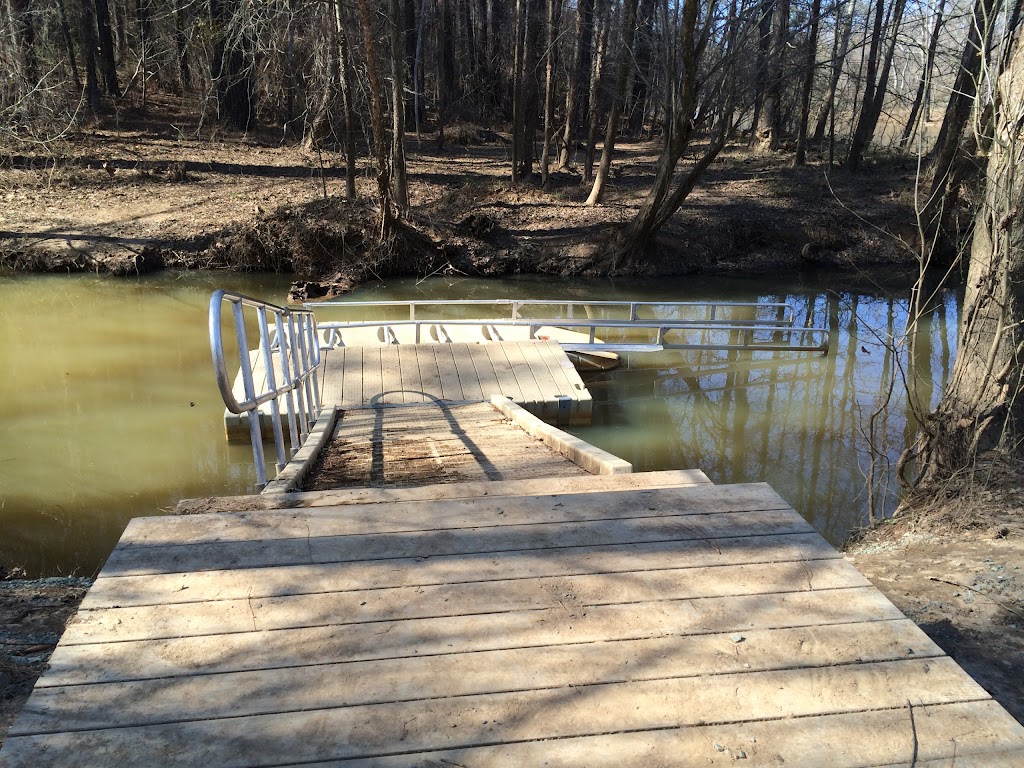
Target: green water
point(108, 407)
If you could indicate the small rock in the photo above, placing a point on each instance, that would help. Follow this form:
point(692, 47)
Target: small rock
point(741, 755)
point(737, 638)
point(718, 747)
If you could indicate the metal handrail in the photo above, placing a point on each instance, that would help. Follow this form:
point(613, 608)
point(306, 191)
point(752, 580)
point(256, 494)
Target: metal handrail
point(294, 354)
point(711, 307)
point(654, 331)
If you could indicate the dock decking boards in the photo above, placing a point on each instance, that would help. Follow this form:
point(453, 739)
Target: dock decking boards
point(395, 447)
point(698, 625)
point(533, 374)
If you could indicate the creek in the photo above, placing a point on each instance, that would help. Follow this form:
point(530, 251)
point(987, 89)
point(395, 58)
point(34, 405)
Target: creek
point(109, 410)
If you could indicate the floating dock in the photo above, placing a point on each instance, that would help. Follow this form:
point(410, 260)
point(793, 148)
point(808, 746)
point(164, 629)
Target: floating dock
point(536, 375)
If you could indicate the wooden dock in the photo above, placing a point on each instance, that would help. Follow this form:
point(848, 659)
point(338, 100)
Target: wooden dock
point(639, 620)
point(536, 375)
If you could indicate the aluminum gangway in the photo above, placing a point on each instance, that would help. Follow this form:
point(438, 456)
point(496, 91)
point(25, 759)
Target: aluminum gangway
point(579, 326)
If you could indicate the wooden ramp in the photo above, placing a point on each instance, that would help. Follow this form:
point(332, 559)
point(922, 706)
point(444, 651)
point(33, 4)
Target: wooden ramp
point(635, 626)
point(376, 447)
point(534, 374)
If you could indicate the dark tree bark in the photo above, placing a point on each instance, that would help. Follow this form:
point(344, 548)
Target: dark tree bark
point(926, 76)
point(603, 20)
point(388, 212)
point(89, 45)
point(771, 135)
point(108, 64)
point(182, 22)
point(347, 82)
point(766, 13)
point(69, 46)
point(229, 69)
point(445, 69)
point(25, 35)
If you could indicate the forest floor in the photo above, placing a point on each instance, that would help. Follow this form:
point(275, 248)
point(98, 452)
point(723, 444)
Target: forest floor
point(139, 192)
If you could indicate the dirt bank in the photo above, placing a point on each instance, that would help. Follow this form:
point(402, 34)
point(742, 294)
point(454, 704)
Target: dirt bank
point(957, 569)
point(148, 193)
point(33, 614)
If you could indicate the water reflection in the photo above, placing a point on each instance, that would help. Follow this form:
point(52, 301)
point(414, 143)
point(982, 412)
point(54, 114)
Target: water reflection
point(799, 422)
point(108, 408)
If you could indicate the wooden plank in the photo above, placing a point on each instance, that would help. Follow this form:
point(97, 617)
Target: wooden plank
point(489, 383)
point(412, 383)
point(960, 735)
point(123, 591)
point(315, 548)
point(352, 376)
point(459, 674)
point(367, 731)
point(430, 378)
point(451, 389)
point(705, 499)
point(391, 376)
point(502, 488)
point(373, 380)
point(469, 598)
point(508, 385)
point(466, 369)
point(90, 663)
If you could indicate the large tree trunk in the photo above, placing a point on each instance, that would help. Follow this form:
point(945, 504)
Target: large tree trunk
point(89, 44)
point(229, 68)
point(771, 136)
point(942, 194)
point(576, 94)
point(618, 93)
point(983, 405)
point(603, 21)
point(106, 39)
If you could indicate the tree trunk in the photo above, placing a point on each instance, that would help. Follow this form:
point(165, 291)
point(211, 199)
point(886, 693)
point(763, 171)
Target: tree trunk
point(25, 41)
point(874, 91)
point(399, 185)
point(840, 47)
point(387, 214)
point(445, 70)
point(554, 14)
point(65, 30)
point(182, 17)
point(926, 76)
point(765, 15)
point(346, 80)
point(108, 65)
point(89, 45)
point(983, 405)
point(961, 101)
point(576, 95)
point(229, 69)
point(628, 29)
point(805, 96)
point(604, 22)
point(776, 61)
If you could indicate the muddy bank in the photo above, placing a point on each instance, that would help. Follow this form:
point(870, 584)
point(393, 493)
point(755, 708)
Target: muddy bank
point(33, 614)
point(956, 568)
point(115, 206)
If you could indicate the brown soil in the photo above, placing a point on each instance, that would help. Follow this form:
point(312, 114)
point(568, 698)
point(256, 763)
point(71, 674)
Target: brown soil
point(33, 615)
point(957, 569)
point(146, 191)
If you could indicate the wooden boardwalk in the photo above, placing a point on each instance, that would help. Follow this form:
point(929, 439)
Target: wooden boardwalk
point(646, 623)
point(379, 447)
point(534, 374)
